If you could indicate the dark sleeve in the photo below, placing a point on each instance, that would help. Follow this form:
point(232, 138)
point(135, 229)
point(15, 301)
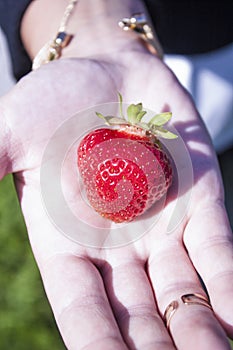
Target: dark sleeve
point(11, 13)
point(192, 26)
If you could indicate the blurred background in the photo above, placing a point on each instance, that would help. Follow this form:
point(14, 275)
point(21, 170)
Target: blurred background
point(26, 320)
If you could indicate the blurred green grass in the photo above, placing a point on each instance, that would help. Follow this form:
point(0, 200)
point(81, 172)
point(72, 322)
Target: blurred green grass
point(26, 320)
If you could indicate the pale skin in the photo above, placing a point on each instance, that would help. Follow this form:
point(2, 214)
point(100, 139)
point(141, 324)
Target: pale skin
point(115, 298)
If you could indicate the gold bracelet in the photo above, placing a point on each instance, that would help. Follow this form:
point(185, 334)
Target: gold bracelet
point(52, 50)
point(138, 23)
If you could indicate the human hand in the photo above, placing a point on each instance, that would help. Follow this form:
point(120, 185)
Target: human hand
point(114, 298)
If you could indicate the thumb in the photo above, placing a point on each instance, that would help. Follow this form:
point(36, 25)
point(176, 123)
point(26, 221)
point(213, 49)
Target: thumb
point(10, 150)
point(5, 153)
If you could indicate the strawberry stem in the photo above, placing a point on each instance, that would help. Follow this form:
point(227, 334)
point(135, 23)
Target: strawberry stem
point(135, 113)
point(120, 99)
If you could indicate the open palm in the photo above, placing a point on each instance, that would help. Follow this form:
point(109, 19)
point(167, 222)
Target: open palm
point(113, 298)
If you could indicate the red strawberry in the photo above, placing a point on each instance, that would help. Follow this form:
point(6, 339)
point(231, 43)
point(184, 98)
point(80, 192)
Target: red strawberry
point(125, 170)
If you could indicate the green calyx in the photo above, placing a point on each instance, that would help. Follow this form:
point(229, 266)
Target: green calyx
point(135, 114)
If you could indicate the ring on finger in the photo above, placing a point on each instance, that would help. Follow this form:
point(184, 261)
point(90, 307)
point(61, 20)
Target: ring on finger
point(186, 299)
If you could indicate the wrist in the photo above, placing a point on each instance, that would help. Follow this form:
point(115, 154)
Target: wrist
point(93, 24)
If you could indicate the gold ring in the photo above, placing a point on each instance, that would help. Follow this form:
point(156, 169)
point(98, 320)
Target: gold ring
point(187, 299)
point(169, 312)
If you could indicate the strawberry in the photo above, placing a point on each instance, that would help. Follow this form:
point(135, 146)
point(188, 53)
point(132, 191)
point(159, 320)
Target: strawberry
point(124, 169)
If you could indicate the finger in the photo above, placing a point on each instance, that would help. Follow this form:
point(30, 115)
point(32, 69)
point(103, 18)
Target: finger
point(132, 299)
point(81, 307)
point(73, 284)
point(211, 250)
point(172, 275)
